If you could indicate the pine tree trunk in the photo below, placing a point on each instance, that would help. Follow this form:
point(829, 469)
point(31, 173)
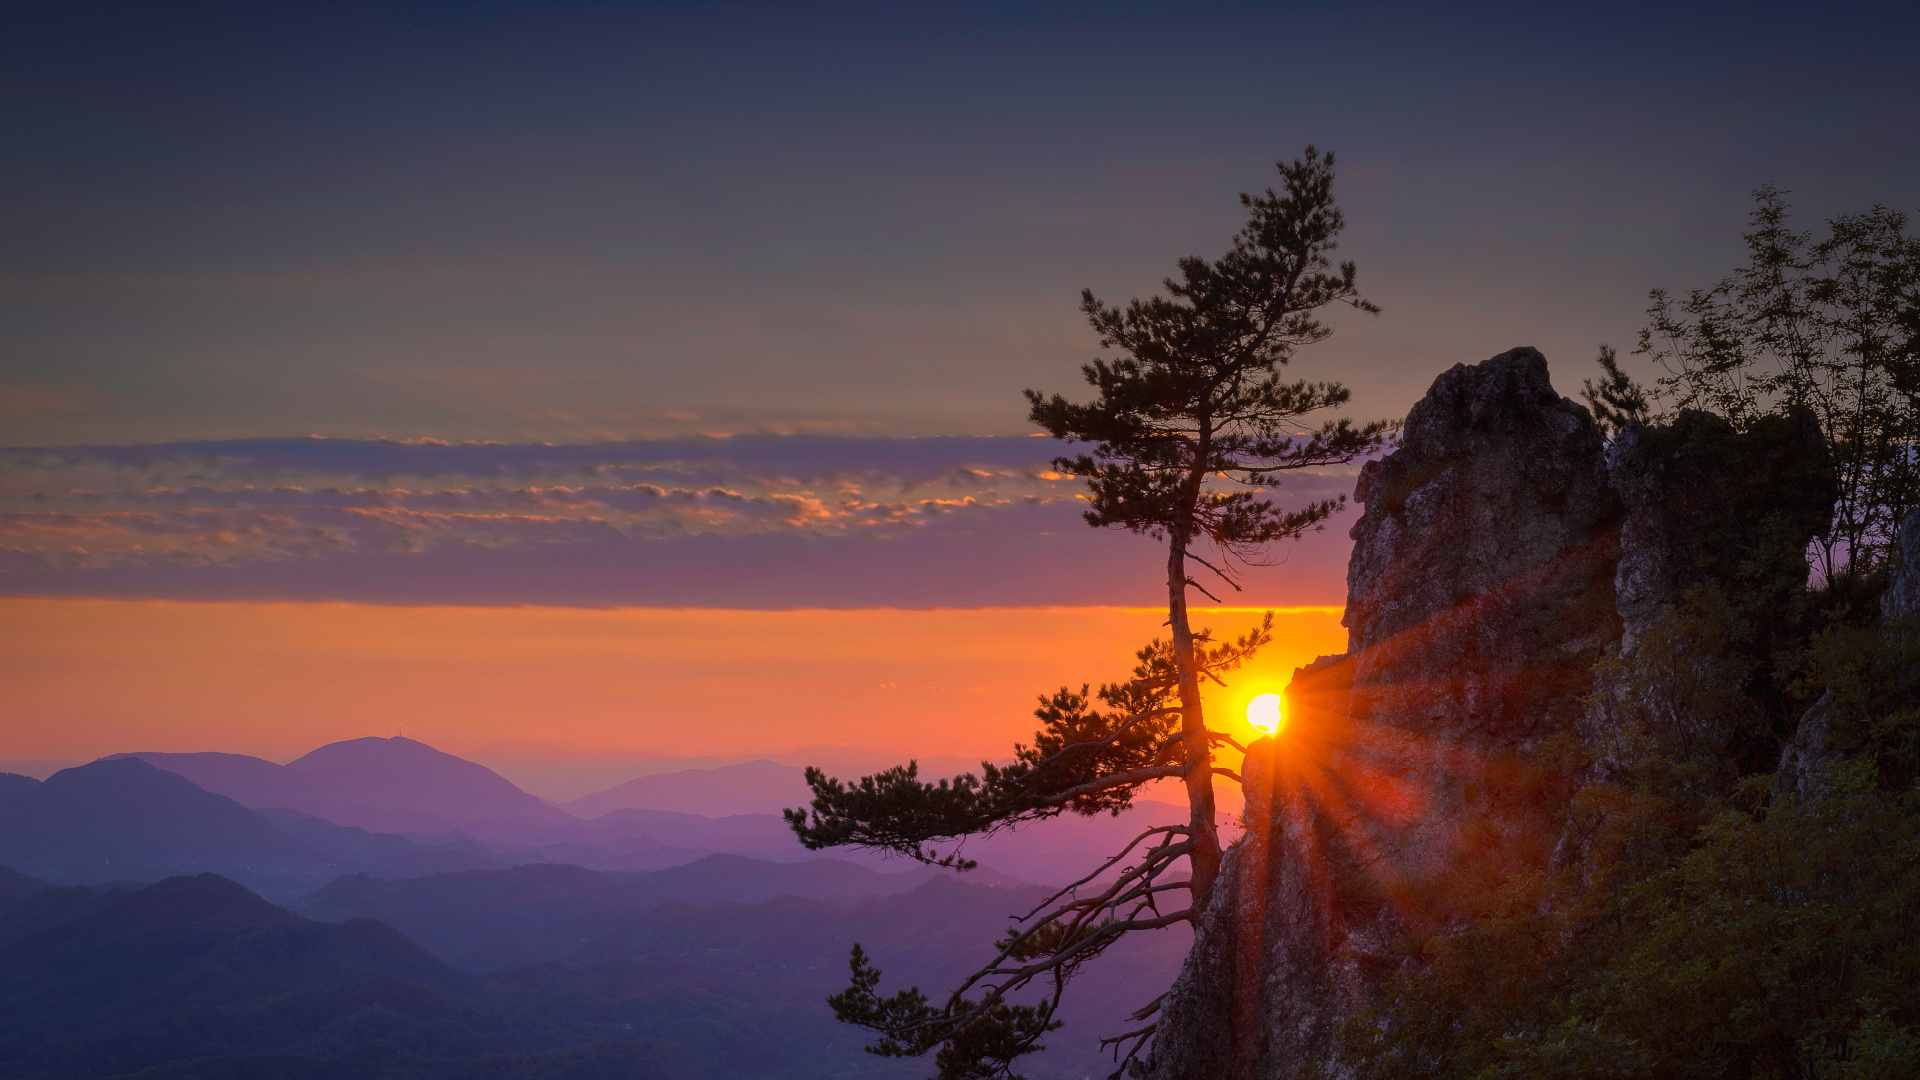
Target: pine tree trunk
point(1205, 858)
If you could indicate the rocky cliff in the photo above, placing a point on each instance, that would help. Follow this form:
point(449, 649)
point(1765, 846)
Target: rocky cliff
point(1901, 602)
point(1417, 772)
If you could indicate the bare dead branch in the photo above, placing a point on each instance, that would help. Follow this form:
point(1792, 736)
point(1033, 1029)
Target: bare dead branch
point(1224, 576)
point(1194, 584)
point(1221, 736)
point(1105, 866)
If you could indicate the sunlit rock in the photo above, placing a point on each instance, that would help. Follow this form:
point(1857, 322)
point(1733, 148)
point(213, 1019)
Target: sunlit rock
point(1480, 594)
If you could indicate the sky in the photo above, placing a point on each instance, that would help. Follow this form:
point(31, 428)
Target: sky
point(486, 327)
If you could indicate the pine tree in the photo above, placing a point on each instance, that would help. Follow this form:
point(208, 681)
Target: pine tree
point(1191, 429)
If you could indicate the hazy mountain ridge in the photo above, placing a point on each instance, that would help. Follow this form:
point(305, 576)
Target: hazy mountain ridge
point(797, 947)
point(201, 973)
point(124, 819)
point(197, 977)
point(754, 787)
point(482, 821)
point(392, 785)
point(16, 886)
point(689, 947)
point(490, 920)
point(127, 819)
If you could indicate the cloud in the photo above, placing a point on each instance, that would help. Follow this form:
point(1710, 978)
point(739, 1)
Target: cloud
point(755, 520)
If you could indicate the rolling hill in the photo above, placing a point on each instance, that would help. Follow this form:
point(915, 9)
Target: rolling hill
point(124, 818)
point(392, 785)
point(197, 978)
point(492, 920)
point(754, 787)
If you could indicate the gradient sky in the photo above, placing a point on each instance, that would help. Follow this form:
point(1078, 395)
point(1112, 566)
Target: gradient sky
point(830, 231)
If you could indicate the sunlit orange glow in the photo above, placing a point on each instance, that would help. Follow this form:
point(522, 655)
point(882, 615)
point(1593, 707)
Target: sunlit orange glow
point(1345, 782)
point(89, 677)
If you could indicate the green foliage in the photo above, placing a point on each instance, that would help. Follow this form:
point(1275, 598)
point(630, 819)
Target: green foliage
point(1832, 326)
point(1699, 920)
point(974, 1043)
point(1616, 400)
point(1083, 759)
point(1196, 396)
point(1878, 1049)
point(1192, 426)
point(1869, 680)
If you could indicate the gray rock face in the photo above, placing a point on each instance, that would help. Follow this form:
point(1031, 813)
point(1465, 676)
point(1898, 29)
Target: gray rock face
point(1901, 602)
point(1480, 593)
point(1704, 503)
point(1480, 589)
point(1808, 751)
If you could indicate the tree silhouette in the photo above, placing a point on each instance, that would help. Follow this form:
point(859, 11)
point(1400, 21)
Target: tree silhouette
point(1831, 325)
point(1191, 428)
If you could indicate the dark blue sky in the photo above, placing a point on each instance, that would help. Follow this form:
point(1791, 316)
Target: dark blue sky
point(569, 223)
point(577, 224)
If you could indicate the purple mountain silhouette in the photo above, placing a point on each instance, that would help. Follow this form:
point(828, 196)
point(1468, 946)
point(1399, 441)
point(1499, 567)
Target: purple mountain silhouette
point(127, 819)
point(755, 787)
point(385, 785)
point(249, 781)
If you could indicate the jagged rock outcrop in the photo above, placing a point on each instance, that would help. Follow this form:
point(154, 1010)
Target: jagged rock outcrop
point(1705, 503)
point(1503, 550)
point(1712, 571)
point(1480, 589)
point(1479, 597)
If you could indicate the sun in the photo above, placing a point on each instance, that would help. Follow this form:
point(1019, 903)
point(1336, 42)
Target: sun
point(1263, 713)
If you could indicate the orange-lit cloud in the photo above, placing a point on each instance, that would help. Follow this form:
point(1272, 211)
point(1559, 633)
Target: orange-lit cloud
point(752, 522)
point(299, 498)
point(90, 677)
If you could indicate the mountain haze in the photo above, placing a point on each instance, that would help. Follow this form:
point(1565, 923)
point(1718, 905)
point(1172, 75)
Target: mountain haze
point(754, 787)
point(196, 977)
point(492, 920)
point(383, 785)
point(125, 818)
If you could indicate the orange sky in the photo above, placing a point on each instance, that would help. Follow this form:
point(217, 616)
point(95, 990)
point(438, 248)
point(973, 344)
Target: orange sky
point(90, 677)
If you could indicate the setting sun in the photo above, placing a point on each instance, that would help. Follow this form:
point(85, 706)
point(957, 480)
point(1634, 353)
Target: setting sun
point(1263, 712)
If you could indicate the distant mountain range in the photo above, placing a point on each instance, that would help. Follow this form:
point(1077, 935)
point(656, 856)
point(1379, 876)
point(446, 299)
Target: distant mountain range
point(128, 819)
point(755, 787)
point(196, 978)
point(491, 920)
point(445, 925)
point(124, 819)
point(397, 808)
point(384, 785)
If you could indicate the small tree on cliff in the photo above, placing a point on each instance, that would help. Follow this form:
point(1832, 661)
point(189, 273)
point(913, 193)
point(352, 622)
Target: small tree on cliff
point(1831, 325)
point(1192, 425)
